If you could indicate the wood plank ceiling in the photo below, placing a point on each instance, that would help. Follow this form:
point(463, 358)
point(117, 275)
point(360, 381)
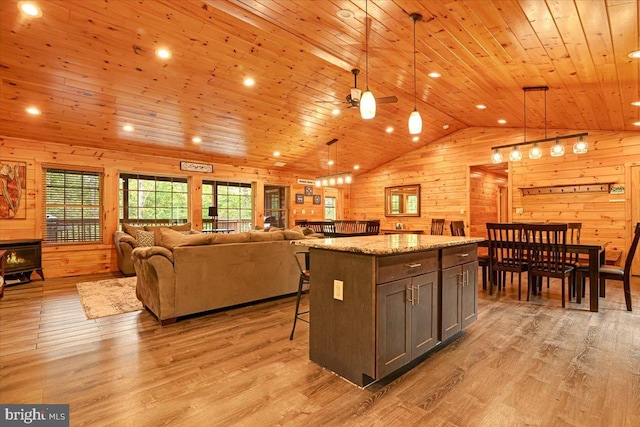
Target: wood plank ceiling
point(90, 66)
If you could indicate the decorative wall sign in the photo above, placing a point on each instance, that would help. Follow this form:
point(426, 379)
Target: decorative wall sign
point(299, 199)
point(317, 199)
point(196, 167)
point(302, 181)
point(308, 190)
point(13, 184)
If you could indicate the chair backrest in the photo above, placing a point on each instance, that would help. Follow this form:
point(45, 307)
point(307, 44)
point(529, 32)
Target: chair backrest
point(507, 245)
point(457, 228)
point(2, 263)
point(573, 236)
point(437, 226)
point(302, 259)
point(547, 248)
point(632, 251)
point(373, 226)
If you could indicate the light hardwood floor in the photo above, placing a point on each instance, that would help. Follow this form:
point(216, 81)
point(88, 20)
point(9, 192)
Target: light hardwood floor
point(520, 364)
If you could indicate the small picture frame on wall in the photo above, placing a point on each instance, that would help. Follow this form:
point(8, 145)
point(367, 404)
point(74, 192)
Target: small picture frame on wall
point(299, 199)
point(308, 190)
point(317, 199)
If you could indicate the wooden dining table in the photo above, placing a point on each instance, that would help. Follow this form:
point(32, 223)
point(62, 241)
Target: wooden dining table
point(596, 253)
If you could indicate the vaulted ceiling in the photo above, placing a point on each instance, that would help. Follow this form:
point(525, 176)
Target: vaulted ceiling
point(90, 67)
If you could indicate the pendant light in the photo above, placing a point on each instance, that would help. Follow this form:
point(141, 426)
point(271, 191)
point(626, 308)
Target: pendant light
point(581, 146)
point(415, 121)
point(367, 102)
point(516, 154)
point(557, 149)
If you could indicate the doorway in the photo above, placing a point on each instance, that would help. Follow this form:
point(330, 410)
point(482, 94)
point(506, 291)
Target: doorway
point(488, 197)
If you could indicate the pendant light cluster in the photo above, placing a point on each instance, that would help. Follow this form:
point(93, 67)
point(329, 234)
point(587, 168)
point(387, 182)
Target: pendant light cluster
point(367, 101)
point(557, 149)
point(415, 121)
point(332, 180)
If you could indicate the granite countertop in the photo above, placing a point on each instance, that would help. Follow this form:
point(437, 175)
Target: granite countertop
point(387, 244)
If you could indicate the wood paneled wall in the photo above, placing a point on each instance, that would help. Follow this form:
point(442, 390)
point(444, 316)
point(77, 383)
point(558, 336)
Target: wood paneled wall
point(74, 259)
point(442, 168)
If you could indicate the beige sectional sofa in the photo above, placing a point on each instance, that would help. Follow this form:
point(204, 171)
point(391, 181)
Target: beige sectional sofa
point(197, 273)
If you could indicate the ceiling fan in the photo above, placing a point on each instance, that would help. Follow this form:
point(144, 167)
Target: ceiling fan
point(353, 98)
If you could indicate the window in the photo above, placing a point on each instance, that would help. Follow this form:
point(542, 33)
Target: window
point(72, 206)
point(153, 200)
point(330, 208)
point(234, 201)
point(275, 206)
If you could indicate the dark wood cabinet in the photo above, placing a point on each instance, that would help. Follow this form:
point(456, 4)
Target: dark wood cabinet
point(458, 290)
point(407, 311)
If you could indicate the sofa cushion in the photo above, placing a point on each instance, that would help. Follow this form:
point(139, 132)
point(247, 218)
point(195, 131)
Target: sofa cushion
point(293, 234)
point(131, 230)
point(145, 238)
point(265, 237)
point(230, 238)
point(172, 238)
point(156, 229)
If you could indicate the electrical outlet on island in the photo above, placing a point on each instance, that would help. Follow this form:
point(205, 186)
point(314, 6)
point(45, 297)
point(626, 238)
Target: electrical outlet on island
point(337, 289)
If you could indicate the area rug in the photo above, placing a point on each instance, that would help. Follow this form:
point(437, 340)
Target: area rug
point(109, 297)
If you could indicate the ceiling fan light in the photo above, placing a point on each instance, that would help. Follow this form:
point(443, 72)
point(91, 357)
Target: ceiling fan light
point(496, 157)
point(535, 152)
point(367, 105)
point(581, 146)
point(516, 155)
point(557, 150)
point(415, 123)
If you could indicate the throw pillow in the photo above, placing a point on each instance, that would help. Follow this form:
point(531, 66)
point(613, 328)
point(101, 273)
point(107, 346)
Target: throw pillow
point(145, 238)
point(266, 237)
point(131, 229)
point(293, 234)
point(307, 231)
point(181, 227)
point(230, 238)
point(172, 239)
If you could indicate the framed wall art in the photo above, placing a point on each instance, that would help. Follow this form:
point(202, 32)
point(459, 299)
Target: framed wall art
point(299, 199)
point(308, 190)
point(13, 185)
point(317, 199)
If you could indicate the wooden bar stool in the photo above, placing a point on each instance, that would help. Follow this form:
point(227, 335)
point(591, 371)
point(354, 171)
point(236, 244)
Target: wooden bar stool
point(304, 280)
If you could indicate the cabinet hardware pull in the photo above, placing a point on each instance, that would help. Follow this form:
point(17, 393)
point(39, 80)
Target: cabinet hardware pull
point(463, 255)
point(417, 295)
point(413, 265)
point(460, 278)
point(410, 299)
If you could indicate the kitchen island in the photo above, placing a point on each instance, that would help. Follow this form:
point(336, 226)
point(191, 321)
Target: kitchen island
point(379, 302)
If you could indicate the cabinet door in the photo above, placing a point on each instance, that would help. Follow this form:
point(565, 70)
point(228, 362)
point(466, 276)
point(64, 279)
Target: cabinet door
point(450, 302)
point(424, 314)
point(469, 294)
point(393, 326)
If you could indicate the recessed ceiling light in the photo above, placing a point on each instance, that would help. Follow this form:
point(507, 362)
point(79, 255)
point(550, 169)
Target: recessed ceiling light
point(128, 128)
point(33, 110)
point(249, 82)
point(434, 74)
point(163, 53)
point(389, 129)
point(196, 140)
point(330, 162)
point(502, 121)
point(636, 103)
point(415, 138)
point(636, 123)
point(279, 164)
point(345, 14)
point(635, 54)
point(276, 153)
point(445, 126)
point(30, 9)
point(481, 106)
point(356, 167)
point(335, 111)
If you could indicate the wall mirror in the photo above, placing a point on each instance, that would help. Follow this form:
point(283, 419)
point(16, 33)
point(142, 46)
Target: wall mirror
point(403, 200)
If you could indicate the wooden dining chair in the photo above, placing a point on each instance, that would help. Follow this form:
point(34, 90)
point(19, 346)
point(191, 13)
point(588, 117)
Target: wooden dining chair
point(457, 228)
point(437, 226)
point(506, 253)
point(547, 255)
point(610, 272)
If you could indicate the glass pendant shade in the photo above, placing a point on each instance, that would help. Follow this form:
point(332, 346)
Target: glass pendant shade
point(325, 182)
point(340, 180)
point(496, 157)
point(415, 123)
point(332, 181)
point(535, 152)
point(348, 179)
point(318, 183)
point(581, 146)
point(516, 155)
point(557, 150)
point(367, 105)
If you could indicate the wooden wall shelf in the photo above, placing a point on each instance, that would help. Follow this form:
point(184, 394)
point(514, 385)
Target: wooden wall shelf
point(567, 189)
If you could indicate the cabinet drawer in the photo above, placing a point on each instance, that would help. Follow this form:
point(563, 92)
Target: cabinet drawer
point(396, 267)
point(457, 255)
